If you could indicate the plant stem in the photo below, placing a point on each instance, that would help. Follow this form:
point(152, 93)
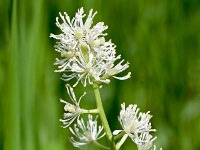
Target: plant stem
point(91, 111)
point(119, 144)
point(102, 116)
point(119, 135)
point(100, 145)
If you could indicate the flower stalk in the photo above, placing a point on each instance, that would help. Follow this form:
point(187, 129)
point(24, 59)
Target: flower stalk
point(103, 116)
point(121, 142)
point(100, 145)
point(91, 111)
point(118, 136)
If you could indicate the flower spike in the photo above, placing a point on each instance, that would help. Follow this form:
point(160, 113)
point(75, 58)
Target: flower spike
point(85, 54)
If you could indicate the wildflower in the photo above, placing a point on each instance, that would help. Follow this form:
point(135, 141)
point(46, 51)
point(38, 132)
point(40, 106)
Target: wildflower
point(75, 31)
point(86, 67)
point(73, 111)
point(86, 133)
point(144, 142)
point(134, 125)
point(85, 54)
point(112, 70)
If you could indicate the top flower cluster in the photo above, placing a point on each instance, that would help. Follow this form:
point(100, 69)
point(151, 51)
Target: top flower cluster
point(85, 54)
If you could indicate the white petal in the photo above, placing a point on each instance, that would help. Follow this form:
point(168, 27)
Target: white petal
point(117, 132)
point(124, 77)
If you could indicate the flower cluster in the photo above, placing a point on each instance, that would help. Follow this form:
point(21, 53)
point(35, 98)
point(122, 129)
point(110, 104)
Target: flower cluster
point(86, 133)
point(136, 126)
point(87, 57)
point(85, 54)
point(73, 111)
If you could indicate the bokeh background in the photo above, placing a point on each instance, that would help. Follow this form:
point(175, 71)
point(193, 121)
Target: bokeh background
point(160, 39)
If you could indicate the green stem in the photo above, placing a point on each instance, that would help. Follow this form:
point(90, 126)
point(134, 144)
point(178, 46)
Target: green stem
point(119, 144)
point(102, 116)
point(91, 111)
point(119, 135)
point(101, 146)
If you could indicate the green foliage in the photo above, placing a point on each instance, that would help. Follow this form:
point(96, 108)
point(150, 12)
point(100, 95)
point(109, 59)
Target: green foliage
point(161, 40)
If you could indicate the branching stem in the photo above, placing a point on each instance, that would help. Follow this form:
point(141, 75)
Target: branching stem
point(119, 144)
point(102, 116)
point(119, 135)
point(100, 145)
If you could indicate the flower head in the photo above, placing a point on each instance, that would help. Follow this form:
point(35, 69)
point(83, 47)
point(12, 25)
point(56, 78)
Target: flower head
point(76, 31)
point(134, 124)
point(85, 54)
point(86, 133)
point(73, 111)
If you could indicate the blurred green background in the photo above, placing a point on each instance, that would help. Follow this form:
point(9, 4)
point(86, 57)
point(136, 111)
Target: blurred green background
point(160, 39)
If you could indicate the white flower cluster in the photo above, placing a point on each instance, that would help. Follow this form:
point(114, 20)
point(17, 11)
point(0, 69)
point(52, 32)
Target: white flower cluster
point(136, 126)
point(88, 133)
point(85, 55)
point(73, 111)
point(85, 133)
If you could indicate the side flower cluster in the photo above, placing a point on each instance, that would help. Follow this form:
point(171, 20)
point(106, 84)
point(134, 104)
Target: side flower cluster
point(83, 133)
point(86, 133)
point(85, 54)
point(72, 111)
point(137, 126)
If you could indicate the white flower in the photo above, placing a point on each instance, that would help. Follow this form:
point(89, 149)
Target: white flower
point(134, 124)
point(86, 133)
point(112, 70)
point(144, 142)
point(76, 31)
point(73, 111)
point(86, 67)
point(85, 55)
